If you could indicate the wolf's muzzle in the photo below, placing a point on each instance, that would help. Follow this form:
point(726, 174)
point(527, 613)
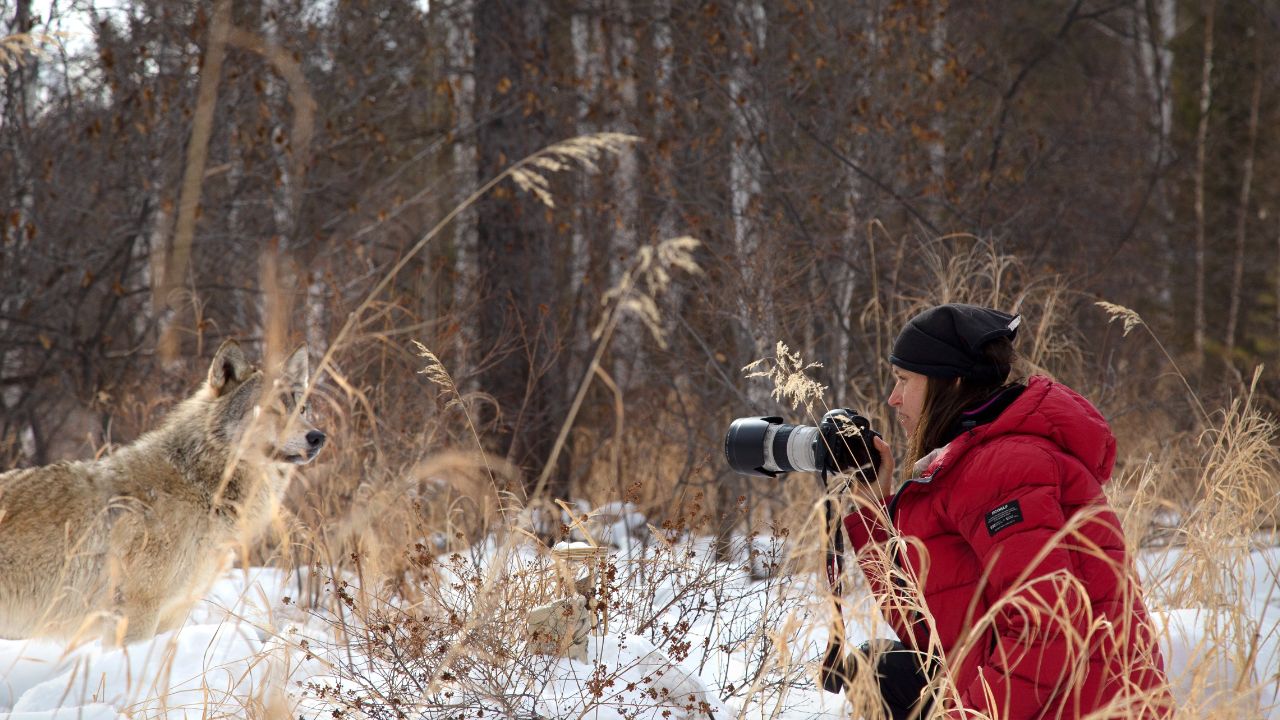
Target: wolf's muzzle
point(315, 441)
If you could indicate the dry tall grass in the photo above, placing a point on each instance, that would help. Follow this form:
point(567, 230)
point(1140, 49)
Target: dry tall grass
point(1210, 534)
point(424, 551)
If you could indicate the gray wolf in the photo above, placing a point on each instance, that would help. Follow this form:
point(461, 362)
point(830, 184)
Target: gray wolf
point(118, 548)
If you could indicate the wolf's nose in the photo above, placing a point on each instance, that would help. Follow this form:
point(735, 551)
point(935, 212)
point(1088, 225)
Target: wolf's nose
point(315, 440)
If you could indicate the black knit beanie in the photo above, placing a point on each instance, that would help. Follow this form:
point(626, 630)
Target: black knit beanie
point(946, 342)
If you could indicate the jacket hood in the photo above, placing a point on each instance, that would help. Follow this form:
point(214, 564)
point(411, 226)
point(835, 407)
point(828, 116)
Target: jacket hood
point(1052, 411)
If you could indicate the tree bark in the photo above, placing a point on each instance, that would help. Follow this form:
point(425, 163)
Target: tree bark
point(1156, 24)
point(14, 115)
point(1202, 138)
point(460, 56)
point(520, 315)
point(1242, 210)
point(175, 267)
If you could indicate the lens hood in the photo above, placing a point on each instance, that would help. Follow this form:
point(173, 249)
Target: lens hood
point(744, 445)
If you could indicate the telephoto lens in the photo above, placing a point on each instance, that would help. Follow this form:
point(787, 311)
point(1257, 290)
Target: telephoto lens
point(766, 446)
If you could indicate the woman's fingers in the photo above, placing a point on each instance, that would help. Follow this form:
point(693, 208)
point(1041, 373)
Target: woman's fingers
point(884, 474)
point(886, 457)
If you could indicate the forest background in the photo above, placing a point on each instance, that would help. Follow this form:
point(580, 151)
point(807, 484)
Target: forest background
point(285, 171)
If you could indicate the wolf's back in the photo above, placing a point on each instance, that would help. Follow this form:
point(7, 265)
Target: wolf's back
point(53, 545)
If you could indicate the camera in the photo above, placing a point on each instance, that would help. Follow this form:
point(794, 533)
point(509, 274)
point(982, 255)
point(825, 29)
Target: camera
point(841, 443)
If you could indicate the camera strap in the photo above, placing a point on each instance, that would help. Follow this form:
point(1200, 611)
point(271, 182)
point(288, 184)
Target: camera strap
point(834, 674)
point(835, 545)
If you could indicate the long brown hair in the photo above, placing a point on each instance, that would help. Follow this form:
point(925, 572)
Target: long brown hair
point(946, 398)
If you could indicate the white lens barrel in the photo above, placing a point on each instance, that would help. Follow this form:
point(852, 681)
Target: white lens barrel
point(799, 449)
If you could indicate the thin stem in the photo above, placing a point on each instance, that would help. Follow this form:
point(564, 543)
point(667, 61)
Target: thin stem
point(581, 395)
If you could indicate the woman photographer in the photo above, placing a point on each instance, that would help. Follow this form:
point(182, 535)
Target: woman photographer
point(1000, 553)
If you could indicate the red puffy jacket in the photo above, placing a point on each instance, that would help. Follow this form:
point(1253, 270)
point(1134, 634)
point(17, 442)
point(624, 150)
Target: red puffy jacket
point(1029, 593)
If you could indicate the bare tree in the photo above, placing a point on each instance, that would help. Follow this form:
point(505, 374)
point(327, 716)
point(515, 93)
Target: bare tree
point(522, 261)
point(1202, 141)
point(1242, 210)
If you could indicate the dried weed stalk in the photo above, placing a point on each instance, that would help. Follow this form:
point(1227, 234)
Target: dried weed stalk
point(18, 48)
point(637, 293)
point(461, 648)
point(789, 374)
point(586, 151)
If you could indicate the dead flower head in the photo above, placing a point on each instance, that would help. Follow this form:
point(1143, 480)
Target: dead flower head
point(531, 173)
point(435, 371)
point(788, 371)
point(1119, 312)
point(637, 290)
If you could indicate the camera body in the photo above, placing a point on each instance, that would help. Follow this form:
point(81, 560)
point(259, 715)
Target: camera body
point(766, 446)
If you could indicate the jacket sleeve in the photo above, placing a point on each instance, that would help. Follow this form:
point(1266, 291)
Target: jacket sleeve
point(866, 525)
point(1029, 642)
point(869, 533)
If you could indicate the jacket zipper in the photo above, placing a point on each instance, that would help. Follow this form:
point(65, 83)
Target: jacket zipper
point(923, 480)
point(897, 561)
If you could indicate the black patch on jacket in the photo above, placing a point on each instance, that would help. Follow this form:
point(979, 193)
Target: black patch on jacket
point(983, 412)
point(1002, 517)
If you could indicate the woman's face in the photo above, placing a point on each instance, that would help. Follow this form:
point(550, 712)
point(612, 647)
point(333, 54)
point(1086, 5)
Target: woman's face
point(907, 397)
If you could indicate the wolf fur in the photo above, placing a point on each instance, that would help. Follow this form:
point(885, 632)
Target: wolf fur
point(118, 548)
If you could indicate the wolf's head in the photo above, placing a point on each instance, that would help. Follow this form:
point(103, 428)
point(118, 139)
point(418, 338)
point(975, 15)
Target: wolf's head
point(263, 410)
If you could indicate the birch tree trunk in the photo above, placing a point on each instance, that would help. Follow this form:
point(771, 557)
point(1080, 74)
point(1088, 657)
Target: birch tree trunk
point(14, 115)
point(1202, 137)
point(937, 123)
point(625, 184)
point(756, 310)
point(460, 56)
point(1155, 25)
point(588, 247)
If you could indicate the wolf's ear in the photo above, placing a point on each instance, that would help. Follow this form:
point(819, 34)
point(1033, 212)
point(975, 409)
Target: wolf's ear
point(297, 368)
point(229, 366)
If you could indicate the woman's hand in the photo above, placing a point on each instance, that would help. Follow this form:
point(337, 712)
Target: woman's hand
point(885, 473)
point(873, 493)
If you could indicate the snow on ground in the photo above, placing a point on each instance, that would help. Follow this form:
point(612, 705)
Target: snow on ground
point(1204, 644)
point(240, 651)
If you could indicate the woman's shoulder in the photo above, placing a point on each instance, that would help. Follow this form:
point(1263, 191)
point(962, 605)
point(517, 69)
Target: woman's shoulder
point(999, 444)
point(1005, 468)
point(1011, 451)
point(1003, 461)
